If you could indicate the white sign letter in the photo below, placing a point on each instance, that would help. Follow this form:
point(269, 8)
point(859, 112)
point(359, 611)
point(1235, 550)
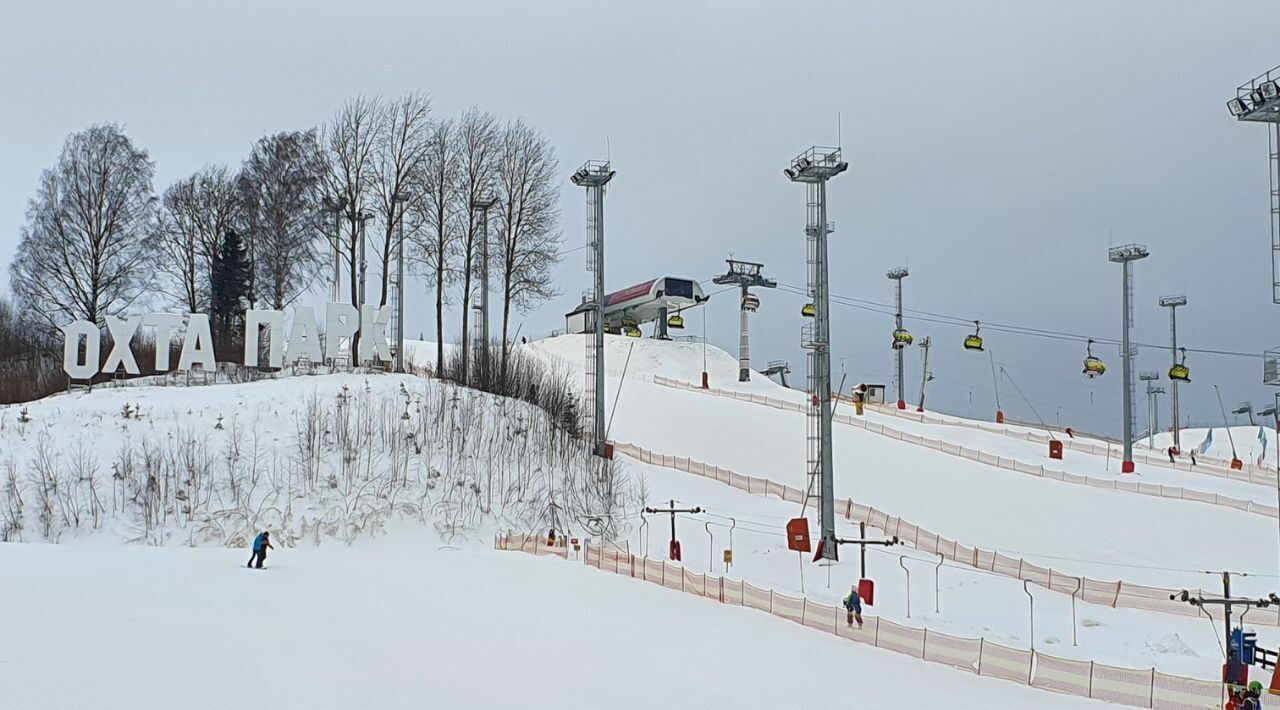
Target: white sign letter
point(373, 335)
point(340, 323)
point(304, 337)
point(71, 349)
point(121, 337)
point(192, 353)
point(274, 322)
point(165, 324)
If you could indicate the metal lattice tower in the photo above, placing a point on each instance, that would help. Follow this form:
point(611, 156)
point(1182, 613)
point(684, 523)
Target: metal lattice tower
point(897, 275)
point(1125, 256)
point(594, 175)
point(815, 167)
point(483, 204)
point(744, 274)
point(1172, 303)
point(1258, 101)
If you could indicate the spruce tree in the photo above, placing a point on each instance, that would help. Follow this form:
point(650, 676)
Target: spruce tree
point(231, 295)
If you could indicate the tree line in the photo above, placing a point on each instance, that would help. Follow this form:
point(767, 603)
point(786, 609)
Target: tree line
point(99, 241)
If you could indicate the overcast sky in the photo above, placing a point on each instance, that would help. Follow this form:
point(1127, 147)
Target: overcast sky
point(996, 148)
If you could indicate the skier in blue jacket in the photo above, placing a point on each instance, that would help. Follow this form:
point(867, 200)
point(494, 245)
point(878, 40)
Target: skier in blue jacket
point(853, 605)
point(261, 544)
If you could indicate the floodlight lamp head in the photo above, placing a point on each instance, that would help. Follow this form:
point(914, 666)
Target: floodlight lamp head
point(1128, 252)
point(1270, 90)
point(1173, 301)
point(1256, 97)
point(1237, 107)
point(1148, 376)
point(898, 273)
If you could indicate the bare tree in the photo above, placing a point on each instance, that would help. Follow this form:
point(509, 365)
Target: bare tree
point(281, 186)
point(194, 214)
point(478, 134)
point(350, 143)
point(400, 157)
point(527, 242)
point(440, 211)
point(84, 252)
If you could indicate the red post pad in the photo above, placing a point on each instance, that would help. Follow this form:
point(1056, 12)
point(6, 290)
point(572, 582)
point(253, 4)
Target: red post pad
point(867, 590)
point(798, 535)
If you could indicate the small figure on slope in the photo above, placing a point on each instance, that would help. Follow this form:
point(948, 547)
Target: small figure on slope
point(261, 544)
point(853, 605)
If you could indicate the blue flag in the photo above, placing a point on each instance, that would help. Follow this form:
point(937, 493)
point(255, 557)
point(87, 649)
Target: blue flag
point(1208, 441)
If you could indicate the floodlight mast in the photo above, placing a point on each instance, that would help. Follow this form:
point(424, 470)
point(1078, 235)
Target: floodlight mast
point(1258, 101)
point(1172, 303)
point(897, 275)
point(815, 167)
point(594, 175)
point(1125, 256)
point(744, 274)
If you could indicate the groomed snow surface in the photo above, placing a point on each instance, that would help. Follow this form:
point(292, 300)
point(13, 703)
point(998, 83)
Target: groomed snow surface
point(411, 619)
point(401, 623)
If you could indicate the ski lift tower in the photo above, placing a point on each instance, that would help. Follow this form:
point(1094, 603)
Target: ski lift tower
point(1258, 101)
point(814, 168)
point(1125, 256)
point(897, 275)
point(745, 274)
point(1172, 303)
point(594, 175)
point(483, 204)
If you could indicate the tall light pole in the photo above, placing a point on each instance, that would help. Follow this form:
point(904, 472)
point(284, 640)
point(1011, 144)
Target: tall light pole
point(484, 204)
point(594, 175)
point(924, 375)
point(400, 199)
point(1125, 256)
point(745, 274)
point(1149, 377)
point(337, 206)
point(897, 275)
point(1172, 303)
point(814, 168)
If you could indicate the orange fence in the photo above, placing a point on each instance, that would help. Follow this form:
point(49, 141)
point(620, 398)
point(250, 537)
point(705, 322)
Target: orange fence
point(1140, 688)
point(1209, 465)
point(1108, 593)
point(1004, 462)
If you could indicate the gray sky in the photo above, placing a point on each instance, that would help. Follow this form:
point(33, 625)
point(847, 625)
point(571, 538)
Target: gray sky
point(998, 148)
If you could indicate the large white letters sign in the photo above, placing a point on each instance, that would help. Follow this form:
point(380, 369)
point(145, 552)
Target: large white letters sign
point(342, 320)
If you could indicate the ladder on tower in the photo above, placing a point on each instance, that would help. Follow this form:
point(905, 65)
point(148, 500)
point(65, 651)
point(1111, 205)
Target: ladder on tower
point(809, 340)
point(1273, 177)
point(593, 299)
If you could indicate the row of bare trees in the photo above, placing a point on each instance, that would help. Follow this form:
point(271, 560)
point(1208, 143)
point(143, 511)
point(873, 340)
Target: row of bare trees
point(424, 180)
point(100, 242)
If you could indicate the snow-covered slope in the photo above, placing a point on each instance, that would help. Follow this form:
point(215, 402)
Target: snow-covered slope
point(400, 623)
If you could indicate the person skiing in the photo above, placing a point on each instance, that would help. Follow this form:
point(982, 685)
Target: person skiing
point(1254, 694)
point(1193, 457)
point(261, 544)
point(1170, 452)
point(853, 607)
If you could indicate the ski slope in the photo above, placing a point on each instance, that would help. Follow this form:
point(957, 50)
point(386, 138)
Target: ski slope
point(401, 623)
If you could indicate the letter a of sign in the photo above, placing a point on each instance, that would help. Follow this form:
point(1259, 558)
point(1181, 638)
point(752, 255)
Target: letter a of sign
point(197, 344)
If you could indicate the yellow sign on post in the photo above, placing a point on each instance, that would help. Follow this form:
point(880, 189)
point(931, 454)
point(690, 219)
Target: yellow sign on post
point(728, 557)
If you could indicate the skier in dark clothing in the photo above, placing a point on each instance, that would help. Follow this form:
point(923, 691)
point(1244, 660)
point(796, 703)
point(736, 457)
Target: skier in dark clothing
point(261, 544)
point(1170, 452)
point(853, 606)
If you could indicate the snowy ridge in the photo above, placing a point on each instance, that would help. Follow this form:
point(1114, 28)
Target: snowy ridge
point(1148, 489)
point(1139, 688)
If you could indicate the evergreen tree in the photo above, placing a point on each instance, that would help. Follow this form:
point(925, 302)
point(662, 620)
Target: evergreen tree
point(231, 296)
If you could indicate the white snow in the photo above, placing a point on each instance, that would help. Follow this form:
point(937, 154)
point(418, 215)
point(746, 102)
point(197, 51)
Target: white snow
point(400, 623)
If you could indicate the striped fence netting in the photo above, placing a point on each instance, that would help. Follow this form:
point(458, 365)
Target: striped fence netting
point(1258, 476)
point(1140, 688)
point(1113, 593)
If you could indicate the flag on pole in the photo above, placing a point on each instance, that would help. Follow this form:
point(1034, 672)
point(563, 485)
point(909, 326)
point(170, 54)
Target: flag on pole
point(1204, 445)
